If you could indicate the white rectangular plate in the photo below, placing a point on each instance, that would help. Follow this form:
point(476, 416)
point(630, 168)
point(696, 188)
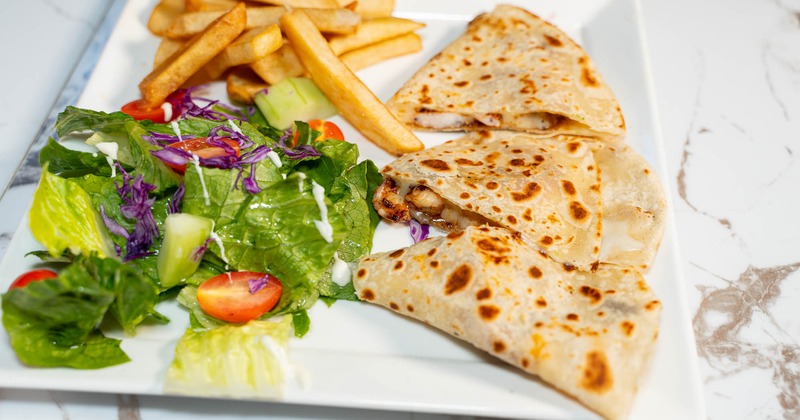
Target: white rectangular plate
point(361, 356)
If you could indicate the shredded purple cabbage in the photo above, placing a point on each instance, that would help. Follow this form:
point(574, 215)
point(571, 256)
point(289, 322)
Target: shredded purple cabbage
point(112, 225)
point(136, 205)
point(198, 252)
point(419, 232)
point(254, 285)
point(177, 198)
point(295, 153)
point(159, 139)
point(184, 104)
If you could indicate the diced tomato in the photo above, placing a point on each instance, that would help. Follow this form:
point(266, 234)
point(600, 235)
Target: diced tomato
point(31, 276)
point(140, 110)
point(227, 296)
point(327, 130)
point(200, 147)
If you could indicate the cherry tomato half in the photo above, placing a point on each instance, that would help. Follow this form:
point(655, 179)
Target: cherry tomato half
point(31, 276)
point(227, 296)
point(200, 147)
point(327, 129)
point(140, 110)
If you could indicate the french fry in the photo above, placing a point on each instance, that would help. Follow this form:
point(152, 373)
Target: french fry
point(178, 68)
point(370, 9)
point(279, 65)
point(335, 21)
point(317, 4)
point(163, 15)
point(242, 84)
point(375, 53)
point(247, 48)
point(206, 5)
point(372, 31)
point(355, 101)
point(166, 48)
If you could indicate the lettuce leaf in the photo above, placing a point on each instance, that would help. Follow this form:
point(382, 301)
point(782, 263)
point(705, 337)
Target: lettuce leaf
point(75, 120)
point(69, 163)
point(62, 217)
point(231, 361)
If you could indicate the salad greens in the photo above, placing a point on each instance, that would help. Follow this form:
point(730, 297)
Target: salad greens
point(103, 219)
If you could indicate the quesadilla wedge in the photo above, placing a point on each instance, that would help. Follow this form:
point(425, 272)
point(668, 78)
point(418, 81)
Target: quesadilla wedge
point(589, 334)
point(578, 200)
point(511, 70)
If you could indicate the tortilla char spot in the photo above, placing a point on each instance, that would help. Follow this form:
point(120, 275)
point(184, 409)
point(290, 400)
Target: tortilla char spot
point(398, 265)
point(525, 363)
point(486, 77)
point(597, 376)
point(426, 100)
point(467, 162)
point(517, 162)
point(553, 41)
point(484, 64)
point(652, 305)
point(496, 209)
point(455, 235)
point(436, 164)
point(434, 264)
point(410, 307)
point(502, 59)
point(568, 267)
point(593, 294)
point(546, 240)
point(488, 312)
point(492, 185)
point(499, 346)
point(642, 286)
point(568, 187)
point(511, 220)
point(535, 272)
point(361, 273)
point(367, 294)
point(539, 324)
point(432, 252)
point(476, 38)
point(627, 327)
point(465, 196)
point(601, 314)
point(531, 190)
point(573, 317)
point(469, 103)
point(528, 215)
point(483, 294)
point(577, 211)
point(541, 302)
point(588, 78)
point(458, 280)
point(538, 159)
point(610, 291)
point(397, 253)
point(461, 83)
point(393, 306)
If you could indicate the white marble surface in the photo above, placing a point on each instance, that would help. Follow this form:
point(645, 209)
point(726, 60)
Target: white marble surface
point(727, 82)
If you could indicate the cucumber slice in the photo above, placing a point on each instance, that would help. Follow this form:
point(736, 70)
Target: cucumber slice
point(293, 99)
point(183, 234)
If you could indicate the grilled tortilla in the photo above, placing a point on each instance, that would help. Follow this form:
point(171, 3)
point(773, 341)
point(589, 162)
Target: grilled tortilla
point(510, 70)
point(588, 334)
point(578, 200)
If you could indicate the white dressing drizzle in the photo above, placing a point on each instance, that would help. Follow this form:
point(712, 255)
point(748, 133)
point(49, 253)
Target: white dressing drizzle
point(214, 237)
point(199, 170)
point(234, 127)
point(167, 108)
point(177, 129)
point(340, 272)
point(111, 150)
point(276, 160)
point(323, 226)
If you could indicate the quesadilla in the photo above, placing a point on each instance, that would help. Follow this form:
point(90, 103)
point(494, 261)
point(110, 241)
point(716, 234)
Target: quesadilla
point(578, 200)
point(510, 70)
point(589, 334)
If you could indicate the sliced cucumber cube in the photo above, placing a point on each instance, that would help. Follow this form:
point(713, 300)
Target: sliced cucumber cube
point(183, 234)
point(293, 99)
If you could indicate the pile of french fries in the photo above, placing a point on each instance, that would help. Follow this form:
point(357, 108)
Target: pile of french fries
point(243, 41)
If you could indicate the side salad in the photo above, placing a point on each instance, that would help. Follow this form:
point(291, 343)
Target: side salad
point(245, 224)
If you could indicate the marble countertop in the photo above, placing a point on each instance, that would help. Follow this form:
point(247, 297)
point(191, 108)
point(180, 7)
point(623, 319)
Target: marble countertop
point(727, 83)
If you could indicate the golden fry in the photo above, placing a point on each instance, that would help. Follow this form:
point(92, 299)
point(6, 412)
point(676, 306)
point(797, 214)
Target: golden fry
point(369, 9)
point(335, 21)
point(249, 47)
point(279, 65)
point(372, 31)
point(242, 84)
point(375, 53)
point(355, 101)
point(163, 15)
point(178, 68)
point(166, 48)
point(206, 5)
point(317, 4)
